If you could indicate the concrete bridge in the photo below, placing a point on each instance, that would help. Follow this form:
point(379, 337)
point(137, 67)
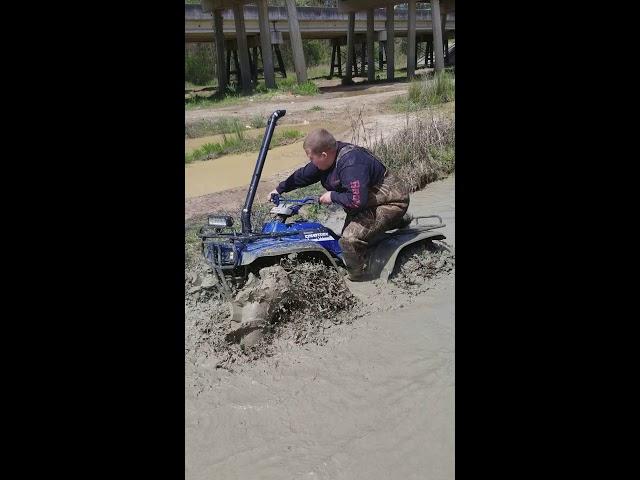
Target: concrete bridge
point(314, 22)
point(311, 22)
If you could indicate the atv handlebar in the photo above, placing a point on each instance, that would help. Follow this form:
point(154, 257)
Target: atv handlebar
point(276, 199)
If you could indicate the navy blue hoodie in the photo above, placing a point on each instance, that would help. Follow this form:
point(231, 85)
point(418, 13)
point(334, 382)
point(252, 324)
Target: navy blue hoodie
point(348, 181)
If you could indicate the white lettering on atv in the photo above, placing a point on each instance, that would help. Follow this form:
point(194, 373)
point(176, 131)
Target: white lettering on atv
point(318, 237)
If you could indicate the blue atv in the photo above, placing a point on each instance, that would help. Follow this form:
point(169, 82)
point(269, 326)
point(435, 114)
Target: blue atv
point(234, 254)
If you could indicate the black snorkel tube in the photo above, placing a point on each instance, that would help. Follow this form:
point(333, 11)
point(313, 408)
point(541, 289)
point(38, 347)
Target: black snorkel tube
point(245, 217)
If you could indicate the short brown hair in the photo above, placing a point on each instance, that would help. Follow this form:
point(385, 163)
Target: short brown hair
point(319, 141)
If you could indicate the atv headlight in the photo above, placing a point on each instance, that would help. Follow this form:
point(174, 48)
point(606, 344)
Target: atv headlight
point(227, 256)
point(220, 221)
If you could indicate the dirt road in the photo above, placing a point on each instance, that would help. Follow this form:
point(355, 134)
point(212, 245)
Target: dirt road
point(375, 402)
point(332, 101)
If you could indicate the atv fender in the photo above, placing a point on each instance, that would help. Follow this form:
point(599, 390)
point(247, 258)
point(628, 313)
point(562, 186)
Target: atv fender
point(383, 257)
point(286, 248)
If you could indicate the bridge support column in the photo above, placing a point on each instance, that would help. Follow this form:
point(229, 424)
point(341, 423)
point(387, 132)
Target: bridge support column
point(350, 49)
point(276, 49)
point(363, 56)
point(371, 63)
point(221, 69)
point(436, 22)
point(243, 48)
point(336, 60)
point(445, 42)
point(265, 43)
point(296, 42)
point(432, 61)
point(232, 50)
point(390, 44)
point(333, 59)
point(411, 40)
point(446, 49)
point(253, 63)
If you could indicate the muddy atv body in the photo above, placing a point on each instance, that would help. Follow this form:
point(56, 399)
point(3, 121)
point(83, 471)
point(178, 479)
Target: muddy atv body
point(234, 255)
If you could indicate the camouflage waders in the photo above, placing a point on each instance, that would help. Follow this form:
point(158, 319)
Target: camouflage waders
point(387, 204)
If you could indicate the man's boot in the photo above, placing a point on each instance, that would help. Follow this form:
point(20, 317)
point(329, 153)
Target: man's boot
point(356, 266)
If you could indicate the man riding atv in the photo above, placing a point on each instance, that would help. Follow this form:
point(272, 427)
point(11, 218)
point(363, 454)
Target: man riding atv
point(373, 198)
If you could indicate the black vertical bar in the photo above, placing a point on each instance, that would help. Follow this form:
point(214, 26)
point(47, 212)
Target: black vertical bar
point(245, 217)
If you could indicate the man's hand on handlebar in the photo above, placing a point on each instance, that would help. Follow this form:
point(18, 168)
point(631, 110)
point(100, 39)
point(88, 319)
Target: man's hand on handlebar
point(270, 195)
point(325, 198)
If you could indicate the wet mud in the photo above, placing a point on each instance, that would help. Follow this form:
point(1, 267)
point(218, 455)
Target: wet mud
point(350, 381)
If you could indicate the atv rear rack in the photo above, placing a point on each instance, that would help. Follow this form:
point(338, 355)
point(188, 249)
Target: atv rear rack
point(436, 225)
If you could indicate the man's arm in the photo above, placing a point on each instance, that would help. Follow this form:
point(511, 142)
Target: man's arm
point(307, 175)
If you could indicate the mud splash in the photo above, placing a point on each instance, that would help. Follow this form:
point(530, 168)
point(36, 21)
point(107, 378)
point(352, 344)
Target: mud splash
point(419, 263)
point(313, 298)
point(295, 302)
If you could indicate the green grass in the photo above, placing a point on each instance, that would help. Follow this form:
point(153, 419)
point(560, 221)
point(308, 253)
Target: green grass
point(287, 85)
point(218, 126)
point(258, 121)
point(199, 101)
point(238, 143)
point(320, 71)
point(427, 92)
point(212, 127)
point(194, 86)
point(316, 108)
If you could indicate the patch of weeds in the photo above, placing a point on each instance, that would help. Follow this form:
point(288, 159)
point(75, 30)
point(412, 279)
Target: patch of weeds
point(237, 143)
point(427, 92)
point(289, 135)
point(316, 108)
point(199, 101)
point(206, 127)
point(258, 121)
point(421, 152)
point(291, 85)
point(306, 88)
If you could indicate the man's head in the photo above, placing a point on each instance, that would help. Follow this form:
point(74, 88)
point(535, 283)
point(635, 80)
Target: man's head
point(320, 147)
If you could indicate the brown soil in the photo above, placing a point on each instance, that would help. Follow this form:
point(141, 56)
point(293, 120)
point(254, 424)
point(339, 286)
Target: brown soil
point(333, 101)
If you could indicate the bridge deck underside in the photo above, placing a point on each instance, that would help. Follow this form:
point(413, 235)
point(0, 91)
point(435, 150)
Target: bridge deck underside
point(315, 23)
point(203, 34)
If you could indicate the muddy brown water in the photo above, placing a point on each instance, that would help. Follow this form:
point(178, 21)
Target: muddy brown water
point(230, 171)
point(375, 402)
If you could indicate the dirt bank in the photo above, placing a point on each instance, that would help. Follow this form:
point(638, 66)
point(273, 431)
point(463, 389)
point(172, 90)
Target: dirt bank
point(373, 401)
point(299, 108)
